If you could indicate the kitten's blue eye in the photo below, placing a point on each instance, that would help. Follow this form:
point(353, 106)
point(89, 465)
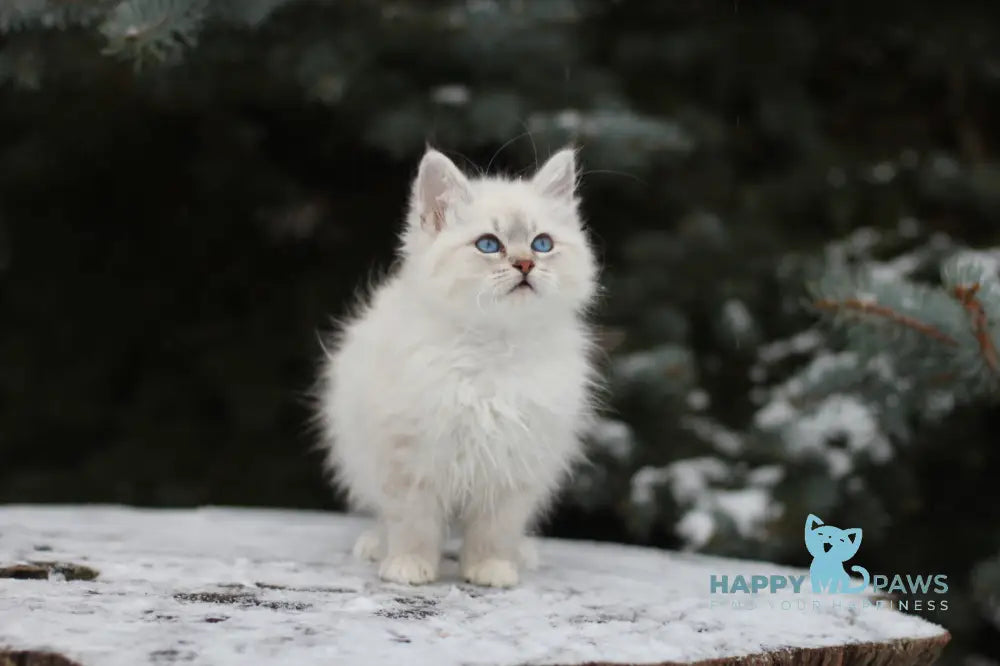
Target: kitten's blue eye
point(542, 243)
point(488, 244)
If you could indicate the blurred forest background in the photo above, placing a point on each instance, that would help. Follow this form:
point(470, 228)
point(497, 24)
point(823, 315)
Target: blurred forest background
point(797, 206)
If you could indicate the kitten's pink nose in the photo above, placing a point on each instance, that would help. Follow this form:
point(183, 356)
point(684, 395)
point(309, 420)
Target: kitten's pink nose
point(523, 265)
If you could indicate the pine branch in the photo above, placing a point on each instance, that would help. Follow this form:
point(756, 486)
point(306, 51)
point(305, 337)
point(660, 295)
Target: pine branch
point(23, 15)
point(966, 295)
point(930, 333)
point(863, 307)
point(972, 280)
point(18, 14)
point(157, 30)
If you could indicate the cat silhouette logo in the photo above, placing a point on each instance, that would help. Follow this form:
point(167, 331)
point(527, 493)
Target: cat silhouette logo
point(830, 547)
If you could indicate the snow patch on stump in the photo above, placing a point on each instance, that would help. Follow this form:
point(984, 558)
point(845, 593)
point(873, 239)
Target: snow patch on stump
point(232, 586)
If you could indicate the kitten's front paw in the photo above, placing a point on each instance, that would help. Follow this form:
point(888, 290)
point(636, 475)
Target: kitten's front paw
point(491, 572)
point(408, 568)
point(368, 547)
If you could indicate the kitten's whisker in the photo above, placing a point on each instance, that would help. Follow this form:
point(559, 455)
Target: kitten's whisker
point(534, 149)
point(507, 143)
point(612, 172)
point(322, 345)
point(475, 166)
point(479, 306)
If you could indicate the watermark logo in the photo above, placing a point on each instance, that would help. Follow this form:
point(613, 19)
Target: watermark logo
point(831, 572)
point(831, 547)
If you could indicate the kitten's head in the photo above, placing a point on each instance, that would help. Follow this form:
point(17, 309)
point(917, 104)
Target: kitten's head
point(494, 247)
point(831, 543)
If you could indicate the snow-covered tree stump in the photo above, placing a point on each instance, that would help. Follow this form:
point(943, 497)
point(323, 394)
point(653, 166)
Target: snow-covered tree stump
point(101, 586)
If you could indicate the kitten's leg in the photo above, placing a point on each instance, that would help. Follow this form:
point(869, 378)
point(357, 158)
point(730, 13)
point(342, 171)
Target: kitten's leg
point(414, 530)
point(494, 538)
point(370, 545)
point(528, 553)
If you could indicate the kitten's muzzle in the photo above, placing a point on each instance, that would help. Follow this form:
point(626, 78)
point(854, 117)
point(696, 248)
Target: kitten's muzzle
point(523, 265)
point(523, 284)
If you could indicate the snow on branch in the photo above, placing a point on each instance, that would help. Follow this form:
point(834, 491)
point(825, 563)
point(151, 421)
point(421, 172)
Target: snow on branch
point(143, 32)
point(973, 280)
point(157, 30)
point(933, 333)
point(862, 307)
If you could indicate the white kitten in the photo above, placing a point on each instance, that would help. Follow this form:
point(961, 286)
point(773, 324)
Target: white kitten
point(459, 392)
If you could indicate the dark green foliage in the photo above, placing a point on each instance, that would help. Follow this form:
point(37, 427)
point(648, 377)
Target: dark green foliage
point(173, 239)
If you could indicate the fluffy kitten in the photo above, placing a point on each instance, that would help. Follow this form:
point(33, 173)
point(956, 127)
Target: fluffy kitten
point(459, 392)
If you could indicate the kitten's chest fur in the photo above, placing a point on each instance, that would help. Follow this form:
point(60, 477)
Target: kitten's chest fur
point(501, 420)
point(470, 414)
point(512, 392)
point(478, 409)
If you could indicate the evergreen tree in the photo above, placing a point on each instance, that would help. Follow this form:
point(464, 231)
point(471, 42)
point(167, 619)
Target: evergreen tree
point(194, 186)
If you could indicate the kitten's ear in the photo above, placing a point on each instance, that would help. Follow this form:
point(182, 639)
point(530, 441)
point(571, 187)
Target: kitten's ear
point(557, 177)
point(439, 186)
point(812, 521)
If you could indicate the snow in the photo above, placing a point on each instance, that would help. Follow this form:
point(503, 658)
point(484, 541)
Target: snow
point(697, 485)
point(801, 343)
point(749, 508)
point(235, 586)
point(653, 134)
point(698, 400)
point(696, 527)
point(845, 416)
point(644, 482)
point(898, 268)
point(766, 475)
point(985, 263)
point(938, 404)
point(613, 437)
point(722, 439)
point(775, 414)
point(780, 410)
point(451, 94)
point(811, 434)
point(690, 479)
point(883, 173)
point(671, 360)
point(737, 318)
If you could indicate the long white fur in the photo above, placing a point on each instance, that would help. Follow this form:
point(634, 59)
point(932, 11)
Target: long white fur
point(452, 397)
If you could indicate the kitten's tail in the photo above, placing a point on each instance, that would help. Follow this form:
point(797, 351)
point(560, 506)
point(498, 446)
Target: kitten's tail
point(864, 576)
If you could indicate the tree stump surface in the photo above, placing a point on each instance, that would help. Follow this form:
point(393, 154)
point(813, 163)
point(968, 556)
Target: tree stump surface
point(113, 586)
